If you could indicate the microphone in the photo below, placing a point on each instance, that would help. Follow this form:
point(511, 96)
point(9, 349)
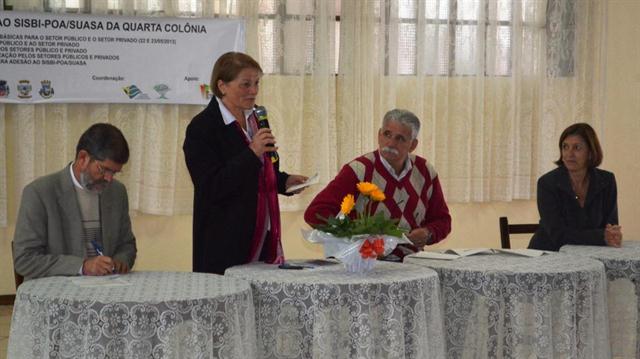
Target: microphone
point(263, 122)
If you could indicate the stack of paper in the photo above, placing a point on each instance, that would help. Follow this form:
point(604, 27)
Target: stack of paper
point(524, 252)
point(312, 180)
point(455, 253)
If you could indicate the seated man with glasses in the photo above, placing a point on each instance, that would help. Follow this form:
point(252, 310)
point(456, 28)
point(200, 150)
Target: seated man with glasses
point(76, 221)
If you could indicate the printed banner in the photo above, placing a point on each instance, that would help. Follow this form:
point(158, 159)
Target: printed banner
point(54, 58)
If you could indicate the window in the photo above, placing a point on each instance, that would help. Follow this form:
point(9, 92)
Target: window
point(442, 37)
point(561, 37)
point(114, 7)
point(72, 6)
point(188, 7)
point(428, 37)
point(433, 37)
point(280, 24)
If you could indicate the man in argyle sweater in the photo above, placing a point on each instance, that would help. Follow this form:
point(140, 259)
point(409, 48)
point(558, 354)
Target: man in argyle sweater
point(410, 184)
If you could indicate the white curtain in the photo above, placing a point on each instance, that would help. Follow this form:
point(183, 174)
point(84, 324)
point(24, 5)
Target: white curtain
point(493, 81)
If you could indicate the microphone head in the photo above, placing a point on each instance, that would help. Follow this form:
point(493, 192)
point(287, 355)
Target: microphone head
point(261, 112)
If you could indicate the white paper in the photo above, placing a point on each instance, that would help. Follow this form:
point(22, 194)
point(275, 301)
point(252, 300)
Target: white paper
point(464, 252)
point(453, 253)
point(113, 280)
point(312, 180)
point(523, 252)
point(435, 255)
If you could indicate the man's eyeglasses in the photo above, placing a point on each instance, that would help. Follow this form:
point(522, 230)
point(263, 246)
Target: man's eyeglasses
point(105, 171)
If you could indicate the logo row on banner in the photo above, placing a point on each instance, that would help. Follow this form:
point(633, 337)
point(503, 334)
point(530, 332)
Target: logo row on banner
point(25, 91)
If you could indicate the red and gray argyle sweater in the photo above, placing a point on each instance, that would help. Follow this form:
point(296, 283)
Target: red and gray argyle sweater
point(417, 199)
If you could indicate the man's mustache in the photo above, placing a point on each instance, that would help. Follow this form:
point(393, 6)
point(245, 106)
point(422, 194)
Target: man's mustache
point(393, 151)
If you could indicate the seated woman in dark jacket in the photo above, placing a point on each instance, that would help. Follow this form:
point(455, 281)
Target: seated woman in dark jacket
point(577, 201)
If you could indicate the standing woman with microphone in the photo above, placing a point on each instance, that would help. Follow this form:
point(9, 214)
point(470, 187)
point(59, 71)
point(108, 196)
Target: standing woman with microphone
point(236, 216)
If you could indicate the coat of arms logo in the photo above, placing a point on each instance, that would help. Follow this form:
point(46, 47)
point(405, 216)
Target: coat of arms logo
point(4, 88)
point(46, 91)
point(24, 89)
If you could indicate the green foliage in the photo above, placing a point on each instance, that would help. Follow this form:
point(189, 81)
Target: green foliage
point(362, 224)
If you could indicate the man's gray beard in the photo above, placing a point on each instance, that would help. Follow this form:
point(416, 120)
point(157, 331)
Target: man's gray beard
point(86, 184)
point(393, 151)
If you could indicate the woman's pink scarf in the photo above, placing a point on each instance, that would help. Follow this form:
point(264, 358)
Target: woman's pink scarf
point(267, 198)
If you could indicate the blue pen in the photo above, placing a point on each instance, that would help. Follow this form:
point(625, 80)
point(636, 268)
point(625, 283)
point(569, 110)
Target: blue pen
point(97, 247)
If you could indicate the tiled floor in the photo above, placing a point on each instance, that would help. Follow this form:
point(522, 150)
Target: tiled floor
point(5, 323)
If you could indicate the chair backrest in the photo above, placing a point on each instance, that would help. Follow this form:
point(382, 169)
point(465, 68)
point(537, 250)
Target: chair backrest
point(17, 277)
point(506, 229)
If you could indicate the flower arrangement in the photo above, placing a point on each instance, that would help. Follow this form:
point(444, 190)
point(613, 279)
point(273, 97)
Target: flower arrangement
point(365, 236)
point(356, 236)
point(364, 222)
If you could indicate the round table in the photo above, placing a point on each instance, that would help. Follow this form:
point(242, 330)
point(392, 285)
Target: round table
point(622, 266)
point(509, 306)
point(394, 311)
point(138, 315)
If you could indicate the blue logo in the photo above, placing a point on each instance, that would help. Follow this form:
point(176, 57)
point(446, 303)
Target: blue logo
point(4, 88)
point(47, 90)
point(131, 91)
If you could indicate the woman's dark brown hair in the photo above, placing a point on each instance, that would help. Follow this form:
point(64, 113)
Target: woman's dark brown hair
point(227, 68)
point(589, 136)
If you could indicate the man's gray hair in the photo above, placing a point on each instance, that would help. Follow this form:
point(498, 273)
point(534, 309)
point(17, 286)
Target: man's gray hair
point(406, 118)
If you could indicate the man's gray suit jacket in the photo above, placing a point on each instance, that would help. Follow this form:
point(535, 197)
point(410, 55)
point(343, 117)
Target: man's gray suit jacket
point(48, 237)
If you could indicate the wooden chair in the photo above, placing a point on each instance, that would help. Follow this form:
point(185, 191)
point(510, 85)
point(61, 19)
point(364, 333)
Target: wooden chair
point(506, 229)
point(17, 277)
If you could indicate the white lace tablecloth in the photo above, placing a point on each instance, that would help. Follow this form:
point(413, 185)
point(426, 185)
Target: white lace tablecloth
point(622, 266)
point(158, 315)
point(507, 306)
point(394, 311)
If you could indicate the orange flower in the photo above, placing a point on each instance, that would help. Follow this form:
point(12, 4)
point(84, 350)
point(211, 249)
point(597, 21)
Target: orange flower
point(366, 250)
point(378, 246)
point(372, 249)
point(377, 195)
point(347, 204)
point(366, 188)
